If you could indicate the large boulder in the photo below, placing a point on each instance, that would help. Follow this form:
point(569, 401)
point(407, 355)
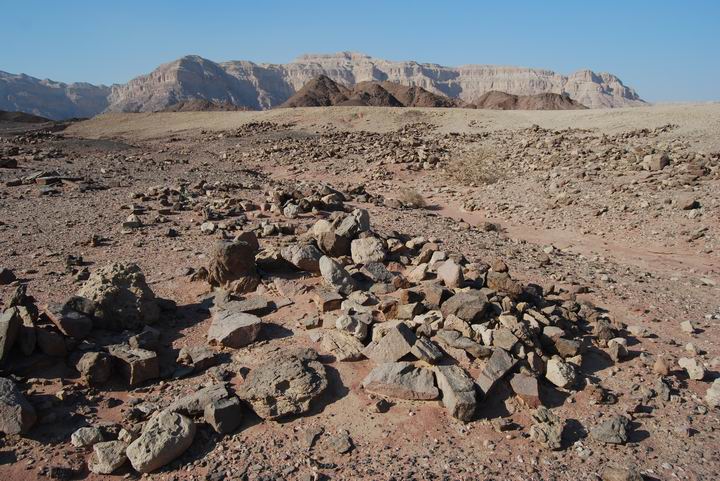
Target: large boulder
point(95, 367)
point(164, 437)
point(458, 391)
point(16, 414)
point(285, 384)
point(470, 306)
point(367, 249)
point(356, 222)
point(401, 380)
point(234, 329)
point(136, 365)
point(121, 296)
point(450, 273)
point(70, 322)
point(232, 267)
point(10, 324)
point(304, 257)
point(336, 276)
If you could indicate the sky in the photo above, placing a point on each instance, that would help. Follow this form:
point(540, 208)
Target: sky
point(667, 50)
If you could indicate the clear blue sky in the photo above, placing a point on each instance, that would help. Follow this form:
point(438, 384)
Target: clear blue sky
point(667, 50)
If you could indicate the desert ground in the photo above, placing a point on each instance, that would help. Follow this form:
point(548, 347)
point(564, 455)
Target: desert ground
point(607, 221)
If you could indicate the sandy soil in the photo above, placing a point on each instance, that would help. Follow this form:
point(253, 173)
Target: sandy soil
point(636, 263)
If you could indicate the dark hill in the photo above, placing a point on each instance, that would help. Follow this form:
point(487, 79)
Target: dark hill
point(546, 101)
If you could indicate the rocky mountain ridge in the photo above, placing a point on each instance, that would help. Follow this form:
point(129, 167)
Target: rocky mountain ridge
point(264, 86)
point(47, 98)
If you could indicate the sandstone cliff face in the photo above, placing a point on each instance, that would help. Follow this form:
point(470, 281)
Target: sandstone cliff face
point(265, 86)
point(54, 100)
point(262, 86)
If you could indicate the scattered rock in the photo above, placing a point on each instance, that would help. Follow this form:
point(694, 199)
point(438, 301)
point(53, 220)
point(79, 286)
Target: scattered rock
point(70, 322)
point(396, 343)
point(336, 276)
point(194, 404)
point(367, 249)
point(548, 428)
point(343, 346)
point(10, 325)
point(164, 437)
point(712, 396)
point(620, 473)
point(86, 437)
point(107, 457)
point(136, 365)
point(234, 329)
point(16, 414)
point(458, 391)
point(611, 431)
point(451, 274)
point(304, 257)
point(499, 364)
point(526, 388)
point(95, 367)
point(693, 367)
point(560, 373)
point(224, 415)
point(342, 443)
point(426, 350)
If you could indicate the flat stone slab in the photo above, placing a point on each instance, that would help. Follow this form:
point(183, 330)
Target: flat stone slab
point(343, 346)
point(401, 380)
point(234, 329)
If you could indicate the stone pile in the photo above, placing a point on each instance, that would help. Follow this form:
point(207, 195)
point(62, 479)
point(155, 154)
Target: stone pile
point(409, 145)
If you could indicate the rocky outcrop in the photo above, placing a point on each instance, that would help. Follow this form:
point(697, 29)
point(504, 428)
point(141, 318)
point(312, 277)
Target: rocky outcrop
point(285, 384)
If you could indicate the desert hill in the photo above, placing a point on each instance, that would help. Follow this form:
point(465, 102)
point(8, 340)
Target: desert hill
point(324, 92)
point(546, 101)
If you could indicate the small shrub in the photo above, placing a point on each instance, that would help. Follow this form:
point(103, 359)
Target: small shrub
point(412, 198)
point(480, 167)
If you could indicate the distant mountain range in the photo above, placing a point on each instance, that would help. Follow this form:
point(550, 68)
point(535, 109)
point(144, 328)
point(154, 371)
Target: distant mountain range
point(263, 86)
